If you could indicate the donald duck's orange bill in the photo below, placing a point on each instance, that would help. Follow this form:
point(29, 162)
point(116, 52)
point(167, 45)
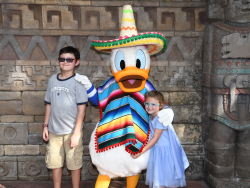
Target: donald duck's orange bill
point(131, 79)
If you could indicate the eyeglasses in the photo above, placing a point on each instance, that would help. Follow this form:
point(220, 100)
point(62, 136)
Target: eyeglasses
point(151, 104)
point(69, 60)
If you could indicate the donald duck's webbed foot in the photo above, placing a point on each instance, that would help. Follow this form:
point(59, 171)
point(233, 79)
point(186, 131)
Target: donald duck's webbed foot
point(132, 181)
point(102, 181)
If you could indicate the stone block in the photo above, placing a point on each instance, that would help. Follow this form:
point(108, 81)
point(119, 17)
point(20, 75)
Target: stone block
point(56, 2)
point(184, 98)
point(96, 18)
point(21, 149)
point(146, 17)
point(13, 133)
point(6, 96)
point(7, 62)
point(87, 117)
point(92, 114)
point(89, 171)
point(8, 166)
point(175, 78)
point(23, 20)
point(188, 34)
point(16, 118)
point(146, 3)
point(76, 32)
point(59, 17)
point(66, 173)
point(160, 63)
point(109, 3)
point(14, 149)
point(183, 4)
point(1, 150)
point(38, 75)
point(31, 149)
point(25, 14)
point(35, 139)
point(187, 114)
point(193, 149)
point(95, 114)
point(39, 118)
point(87, 131)
point(200, 19)
point(33, 102)
point(174, 19)
point(10, 107)
point(166, 96)
point(35, 128)
point(31, 63)
point(43, 149)
point(85, 149)
point(32, 168)
point(195, 169)
point(214, 10)
point(188, 134)
point(18, 1)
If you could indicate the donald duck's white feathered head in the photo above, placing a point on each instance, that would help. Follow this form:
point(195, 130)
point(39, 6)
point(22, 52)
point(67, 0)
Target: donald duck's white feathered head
point(130, 54)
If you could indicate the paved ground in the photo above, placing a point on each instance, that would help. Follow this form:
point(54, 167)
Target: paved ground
point(86, 184)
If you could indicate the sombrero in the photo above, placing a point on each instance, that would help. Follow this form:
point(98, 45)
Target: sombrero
point(129, 36)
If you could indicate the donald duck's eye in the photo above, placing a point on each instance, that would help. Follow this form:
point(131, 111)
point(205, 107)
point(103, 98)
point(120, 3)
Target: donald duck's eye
point(140, 60)
point(138, 63)
point(119, 61)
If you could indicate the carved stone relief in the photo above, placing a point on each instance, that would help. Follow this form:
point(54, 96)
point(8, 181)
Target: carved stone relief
point(226, 83)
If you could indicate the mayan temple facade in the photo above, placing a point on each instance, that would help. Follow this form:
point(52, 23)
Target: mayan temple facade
point(203, 73)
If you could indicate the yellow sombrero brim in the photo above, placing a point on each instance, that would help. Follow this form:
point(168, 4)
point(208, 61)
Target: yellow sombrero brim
point(155, 41)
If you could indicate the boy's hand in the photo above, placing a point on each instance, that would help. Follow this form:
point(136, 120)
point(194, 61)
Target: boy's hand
point(73, 142)
point(83, 80)
point(45, 134)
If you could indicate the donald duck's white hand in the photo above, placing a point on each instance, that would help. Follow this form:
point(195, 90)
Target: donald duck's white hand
point(166, 116)
point(84, 80)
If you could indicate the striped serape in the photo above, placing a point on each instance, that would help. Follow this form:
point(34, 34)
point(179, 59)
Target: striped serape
point(124, 119)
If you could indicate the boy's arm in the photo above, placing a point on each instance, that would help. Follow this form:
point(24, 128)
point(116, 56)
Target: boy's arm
point(46, 121)
point(73, 142)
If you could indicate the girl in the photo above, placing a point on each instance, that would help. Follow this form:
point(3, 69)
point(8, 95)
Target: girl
point(167, 162)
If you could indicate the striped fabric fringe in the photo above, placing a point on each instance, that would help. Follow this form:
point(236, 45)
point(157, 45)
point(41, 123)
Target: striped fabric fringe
point(124, 120)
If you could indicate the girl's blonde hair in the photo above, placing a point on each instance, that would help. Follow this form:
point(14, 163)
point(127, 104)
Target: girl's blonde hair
point(157, 95)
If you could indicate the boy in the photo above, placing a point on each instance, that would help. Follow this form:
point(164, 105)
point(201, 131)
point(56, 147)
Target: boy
point(66, 101)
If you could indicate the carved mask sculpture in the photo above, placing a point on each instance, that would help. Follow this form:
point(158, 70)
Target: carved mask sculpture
point(226, 74)
point(237, 11)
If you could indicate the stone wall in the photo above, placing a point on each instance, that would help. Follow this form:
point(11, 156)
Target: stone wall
point(31, 35)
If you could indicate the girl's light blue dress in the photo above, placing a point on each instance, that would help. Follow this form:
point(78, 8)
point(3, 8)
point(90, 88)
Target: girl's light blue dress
point(168, 161)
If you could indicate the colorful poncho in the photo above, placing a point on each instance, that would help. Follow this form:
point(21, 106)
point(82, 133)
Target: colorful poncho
point(124, 119)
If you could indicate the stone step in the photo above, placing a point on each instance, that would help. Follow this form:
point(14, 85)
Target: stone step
point(86, 184)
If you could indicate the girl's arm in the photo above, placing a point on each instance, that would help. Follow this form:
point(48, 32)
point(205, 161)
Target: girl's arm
point(46, 121)
point(151, 143)
point(73, 142)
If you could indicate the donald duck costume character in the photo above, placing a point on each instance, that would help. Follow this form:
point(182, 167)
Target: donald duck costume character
point(123, 127)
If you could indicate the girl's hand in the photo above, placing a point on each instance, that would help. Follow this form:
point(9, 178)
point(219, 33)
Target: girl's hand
point(136, 155)
point(45, 134)
point(73, 142)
